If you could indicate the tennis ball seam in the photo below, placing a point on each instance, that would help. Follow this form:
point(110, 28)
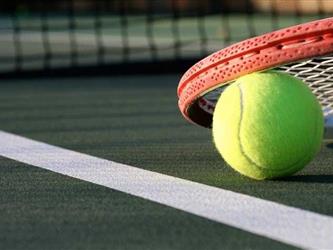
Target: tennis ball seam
point(288, 168)
point(240, 125)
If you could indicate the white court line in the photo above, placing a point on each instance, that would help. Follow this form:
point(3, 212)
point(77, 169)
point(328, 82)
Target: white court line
point(290, 225)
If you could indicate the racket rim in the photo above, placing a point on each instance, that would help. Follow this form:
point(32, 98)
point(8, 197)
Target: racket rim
point(292, 44)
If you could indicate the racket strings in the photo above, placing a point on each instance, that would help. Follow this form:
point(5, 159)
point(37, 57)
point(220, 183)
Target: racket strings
point(318, 74)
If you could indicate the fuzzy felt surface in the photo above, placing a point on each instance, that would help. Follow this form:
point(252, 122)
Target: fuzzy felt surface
point(268, 125)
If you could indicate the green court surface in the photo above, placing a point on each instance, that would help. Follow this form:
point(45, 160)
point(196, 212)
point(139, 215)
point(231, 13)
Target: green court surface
point(132, 120)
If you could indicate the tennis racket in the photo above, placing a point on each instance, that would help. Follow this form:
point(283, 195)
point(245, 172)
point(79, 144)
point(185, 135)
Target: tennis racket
point(304, 51)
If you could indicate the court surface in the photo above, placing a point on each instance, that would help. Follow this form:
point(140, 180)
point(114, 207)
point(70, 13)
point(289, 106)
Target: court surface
point(132, 120)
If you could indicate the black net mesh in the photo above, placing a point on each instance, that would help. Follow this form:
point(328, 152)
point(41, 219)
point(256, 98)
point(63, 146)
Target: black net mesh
point(76, 35)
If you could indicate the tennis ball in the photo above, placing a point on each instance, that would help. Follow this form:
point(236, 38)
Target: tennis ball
point(268, 125)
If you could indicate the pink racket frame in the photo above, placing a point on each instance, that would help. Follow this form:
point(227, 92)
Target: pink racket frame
point(263, 52)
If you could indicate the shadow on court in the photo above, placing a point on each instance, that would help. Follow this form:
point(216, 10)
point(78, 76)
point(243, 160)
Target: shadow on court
point(309, 178)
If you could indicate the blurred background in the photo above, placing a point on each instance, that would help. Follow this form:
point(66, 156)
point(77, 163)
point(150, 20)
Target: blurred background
point(133, 119)
point(133, 36)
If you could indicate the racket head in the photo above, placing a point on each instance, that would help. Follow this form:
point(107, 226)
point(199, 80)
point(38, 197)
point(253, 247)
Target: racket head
point(289, 48)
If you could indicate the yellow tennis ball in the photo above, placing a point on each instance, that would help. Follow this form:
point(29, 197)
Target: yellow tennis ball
point(268, 125)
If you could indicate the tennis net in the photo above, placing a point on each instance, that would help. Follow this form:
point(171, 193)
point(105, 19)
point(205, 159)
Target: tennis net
point(132, 35)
